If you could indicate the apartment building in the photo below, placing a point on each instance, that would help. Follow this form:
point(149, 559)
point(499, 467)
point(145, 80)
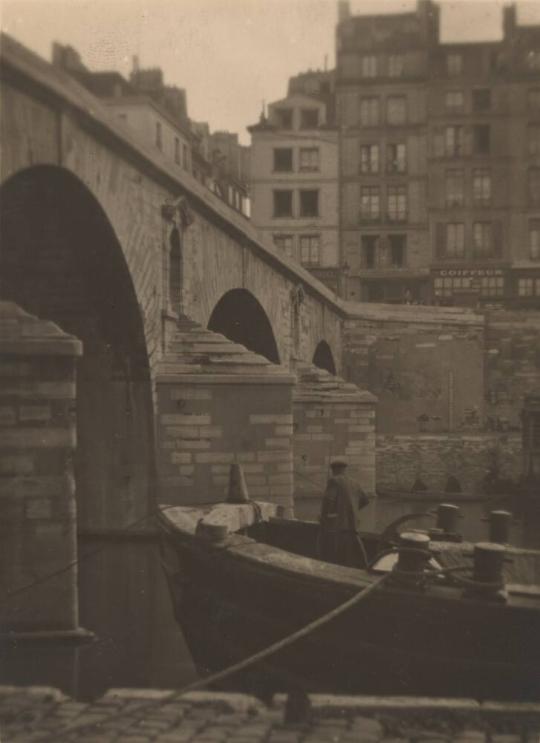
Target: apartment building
point(439, 161)
point(157, 114)
point(294, 176)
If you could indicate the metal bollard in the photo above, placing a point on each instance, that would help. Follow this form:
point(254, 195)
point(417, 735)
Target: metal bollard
point(413, 557)
point(488, 567)
point(448, 517)
point(499, 526)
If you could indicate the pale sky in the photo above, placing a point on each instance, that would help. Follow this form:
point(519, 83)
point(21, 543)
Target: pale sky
point(229, 54)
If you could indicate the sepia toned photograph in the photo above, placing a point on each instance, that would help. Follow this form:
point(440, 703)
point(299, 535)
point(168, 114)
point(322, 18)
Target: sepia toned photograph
point(269, 371)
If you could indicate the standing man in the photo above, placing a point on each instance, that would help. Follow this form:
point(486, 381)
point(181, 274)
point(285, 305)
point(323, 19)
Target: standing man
point(339, 541)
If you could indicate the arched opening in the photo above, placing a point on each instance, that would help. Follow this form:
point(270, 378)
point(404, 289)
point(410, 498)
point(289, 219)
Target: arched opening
point(241, 318)
point(60, 260)
point(323, 357)
point(175, 271)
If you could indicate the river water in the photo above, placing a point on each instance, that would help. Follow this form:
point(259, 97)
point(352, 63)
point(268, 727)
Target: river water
point(124, 601)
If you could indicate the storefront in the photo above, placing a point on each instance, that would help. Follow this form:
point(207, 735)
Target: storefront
point(469, 286)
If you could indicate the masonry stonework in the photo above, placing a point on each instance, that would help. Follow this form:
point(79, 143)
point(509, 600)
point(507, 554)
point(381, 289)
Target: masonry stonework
point(219, 404)
point(332, 419)
point(37, 488)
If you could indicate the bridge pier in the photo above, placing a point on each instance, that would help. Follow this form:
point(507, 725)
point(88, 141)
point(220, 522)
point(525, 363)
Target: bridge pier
point(219, 403)
point(38, 528)
point(332, 419)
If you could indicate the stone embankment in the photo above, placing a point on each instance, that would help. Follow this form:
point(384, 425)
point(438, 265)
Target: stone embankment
point(32, 714)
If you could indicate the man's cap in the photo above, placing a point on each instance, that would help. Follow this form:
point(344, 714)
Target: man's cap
point(338, 463)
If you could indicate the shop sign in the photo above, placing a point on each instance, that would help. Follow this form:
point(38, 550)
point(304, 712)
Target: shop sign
point(469, 272)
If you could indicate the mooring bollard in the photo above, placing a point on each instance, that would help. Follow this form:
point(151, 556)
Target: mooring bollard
point(448, 516)
point(413, 557)
point(499, 526)
point(488, 567)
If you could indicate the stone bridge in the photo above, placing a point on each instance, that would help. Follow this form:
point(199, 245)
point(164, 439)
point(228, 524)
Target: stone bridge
point(105, 238)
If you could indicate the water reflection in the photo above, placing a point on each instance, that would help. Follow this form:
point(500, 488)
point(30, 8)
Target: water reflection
point(124, 601)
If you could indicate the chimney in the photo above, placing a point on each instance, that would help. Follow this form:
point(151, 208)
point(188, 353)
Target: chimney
point(344, 10)
point(509, 21)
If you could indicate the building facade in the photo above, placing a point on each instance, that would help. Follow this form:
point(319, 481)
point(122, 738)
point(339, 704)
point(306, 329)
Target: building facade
point(294, 176)
point(158, 115)
point(439, 161)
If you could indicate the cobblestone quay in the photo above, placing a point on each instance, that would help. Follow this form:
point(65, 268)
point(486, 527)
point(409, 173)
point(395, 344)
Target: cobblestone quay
point(32, 714)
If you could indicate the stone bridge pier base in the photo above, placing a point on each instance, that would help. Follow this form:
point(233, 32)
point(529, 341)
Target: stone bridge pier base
point(219, 403)
point(38, 537)
point(332, 419)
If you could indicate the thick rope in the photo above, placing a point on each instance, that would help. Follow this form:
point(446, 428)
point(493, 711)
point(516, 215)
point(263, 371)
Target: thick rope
point(241, 665)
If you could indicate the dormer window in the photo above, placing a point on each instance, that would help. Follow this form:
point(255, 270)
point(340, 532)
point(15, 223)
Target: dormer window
point(309, 118)
point(284, 117)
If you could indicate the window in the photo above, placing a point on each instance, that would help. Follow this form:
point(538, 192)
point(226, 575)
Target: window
point(534, 186)
point(481, 182)
point(309, 159)
point(396, 109)
point(370, 202)
point(533, 99)
point(159, 136)
point(284, 117)
point(397, 250)
point(282, 203)
point(309, 118)
point(369, 158)
point(284, 243)
point(491, 286)
point(369, 250)
point(534, 239)
point(528, 287)
point(123, 117)
point(454, 141)
point(185, 153)
point(481, 139)
point(368, 66)
point(533, 139)
point(481, 99)
point(454, 64)
point(396, 157)
point(310, 247)
point(177, 151)
point(455, 188)
point(283, 162)
point(396, 65)
point(448, 286)
point(309, 203)
point(533, 60)
point(482, 239)
point(397, 203)
point(455, 240)
point(369, 111)
point(454, 100)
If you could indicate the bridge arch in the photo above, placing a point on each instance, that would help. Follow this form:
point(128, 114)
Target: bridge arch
point(324, 358)
point(240, 317)
point(61, 260)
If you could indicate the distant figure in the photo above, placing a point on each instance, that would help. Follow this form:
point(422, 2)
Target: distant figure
point(339, 541)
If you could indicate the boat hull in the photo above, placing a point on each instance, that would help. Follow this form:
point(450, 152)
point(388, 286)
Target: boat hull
point(399, 641)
